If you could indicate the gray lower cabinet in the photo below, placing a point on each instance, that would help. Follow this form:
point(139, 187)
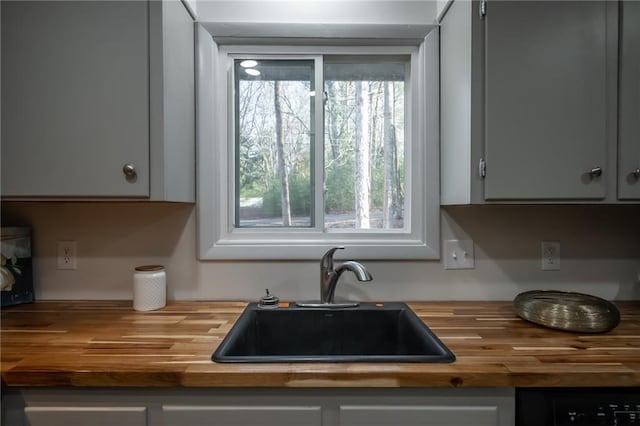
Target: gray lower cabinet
point(260, 407)
point(94, 416)
point(98, 100)
point(241, 415)
point(528, 101)
point(421, 415)
point(629, 102)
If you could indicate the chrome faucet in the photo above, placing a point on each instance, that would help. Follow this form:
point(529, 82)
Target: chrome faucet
point(329, 276)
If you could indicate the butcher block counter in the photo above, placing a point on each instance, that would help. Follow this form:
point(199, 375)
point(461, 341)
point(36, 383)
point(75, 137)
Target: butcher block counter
point(107, 344)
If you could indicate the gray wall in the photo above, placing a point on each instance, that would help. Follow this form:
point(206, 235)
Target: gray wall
point(600, 255)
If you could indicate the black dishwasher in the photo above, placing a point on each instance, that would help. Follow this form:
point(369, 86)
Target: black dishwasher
point(577, 406)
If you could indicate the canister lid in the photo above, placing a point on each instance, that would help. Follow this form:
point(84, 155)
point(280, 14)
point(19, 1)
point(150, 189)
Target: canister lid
point(149, 268)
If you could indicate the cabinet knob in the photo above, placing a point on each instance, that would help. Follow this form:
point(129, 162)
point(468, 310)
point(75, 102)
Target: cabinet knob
point(595, 172)
point(636, 172)
point(129, 170)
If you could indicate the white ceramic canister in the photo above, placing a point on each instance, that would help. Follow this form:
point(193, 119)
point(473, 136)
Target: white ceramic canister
point(149, 288)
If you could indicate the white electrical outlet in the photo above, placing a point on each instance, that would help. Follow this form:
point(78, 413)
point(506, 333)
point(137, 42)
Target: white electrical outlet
point(67, 255)
point(550, 256)
point(458, 254)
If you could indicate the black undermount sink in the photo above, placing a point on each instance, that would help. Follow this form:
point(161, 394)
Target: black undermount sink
point(389, 332)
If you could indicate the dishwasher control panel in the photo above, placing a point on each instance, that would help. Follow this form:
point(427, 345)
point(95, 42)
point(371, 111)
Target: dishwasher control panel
point(596, 412)
point(578, 406)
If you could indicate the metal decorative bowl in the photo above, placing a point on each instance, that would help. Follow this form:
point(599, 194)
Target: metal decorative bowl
point(567, 311)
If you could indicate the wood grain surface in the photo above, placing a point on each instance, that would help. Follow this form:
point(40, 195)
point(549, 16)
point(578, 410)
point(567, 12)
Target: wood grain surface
point(107, 343)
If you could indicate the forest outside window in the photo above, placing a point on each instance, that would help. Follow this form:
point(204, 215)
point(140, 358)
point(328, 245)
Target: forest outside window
point(316, 147)
point(362, 166)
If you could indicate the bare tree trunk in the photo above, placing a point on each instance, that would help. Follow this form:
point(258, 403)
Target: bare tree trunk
point(374, 107)
point(282, 167)
point(333, 119)
point(398, 200)
point(362, 155)
point(387, 211)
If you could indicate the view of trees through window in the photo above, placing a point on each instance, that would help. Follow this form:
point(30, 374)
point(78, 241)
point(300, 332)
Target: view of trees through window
point(362, 169)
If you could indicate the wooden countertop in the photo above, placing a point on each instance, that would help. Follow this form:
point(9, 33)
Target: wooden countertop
point(107, 343)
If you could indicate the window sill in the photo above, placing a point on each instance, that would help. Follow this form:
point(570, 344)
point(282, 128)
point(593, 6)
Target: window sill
point(314, 249)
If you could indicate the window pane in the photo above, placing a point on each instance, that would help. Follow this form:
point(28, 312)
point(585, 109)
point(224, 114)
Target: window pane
point(274, 139)
point(364, 144)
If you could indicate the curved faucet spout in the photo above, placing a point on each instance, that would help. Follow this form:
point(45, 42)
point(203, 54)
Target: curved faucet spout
point(357, 268)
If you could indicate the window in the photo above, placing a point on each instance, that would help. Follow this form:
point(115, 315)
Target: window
point(274, 104)
point(361, 168)
point(305, 148)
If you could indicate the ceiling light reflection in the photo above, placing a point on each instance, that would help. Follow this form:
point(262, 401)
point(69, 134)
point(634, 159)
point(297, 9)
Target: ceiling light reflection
point(249, 63)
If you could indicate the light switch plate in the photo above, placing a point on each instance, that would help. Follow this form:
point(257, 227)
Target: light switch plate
point(458, 254)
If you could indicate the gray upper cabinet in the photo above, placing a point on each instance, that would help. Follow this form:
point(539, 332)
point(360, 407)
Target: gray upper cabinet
point(98, 100)
point(528, 100)
point(629, 102)
point(546, 100)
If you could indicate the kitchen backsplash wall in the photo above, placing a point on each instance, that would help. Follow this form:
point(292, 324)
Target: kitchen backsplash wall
point(600, 254)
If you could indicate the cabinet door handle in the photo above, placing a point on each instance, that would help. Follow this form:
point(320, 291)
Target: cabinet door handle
point(129, 170)
point(636, 172)
point(595, 172)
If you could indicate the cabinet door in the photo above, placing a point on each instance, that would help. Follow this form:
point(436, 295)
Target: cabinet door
point(172, 102)
point(89, 416)
point(546, 100)
point(75, 98)
point(629, 110)
point(241, 415)
point(418, 415)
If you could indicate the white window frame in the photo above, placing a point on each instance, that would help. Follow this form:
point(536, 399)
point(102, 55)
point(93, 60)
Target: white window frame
point(219, 239)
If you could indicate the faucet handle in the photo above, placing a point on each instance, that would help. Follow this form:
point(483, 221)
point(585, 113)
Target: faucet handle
point(327, 258)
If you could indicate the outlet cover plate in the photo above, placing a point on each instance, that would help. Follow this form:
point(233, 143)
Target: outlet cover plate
point(67, 255)
point(458, 254)
point(550, 255)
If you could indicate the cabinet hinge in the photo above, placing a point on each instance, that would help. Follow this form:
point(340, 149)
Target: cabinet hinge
point(482, 168)
point(483, 8)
